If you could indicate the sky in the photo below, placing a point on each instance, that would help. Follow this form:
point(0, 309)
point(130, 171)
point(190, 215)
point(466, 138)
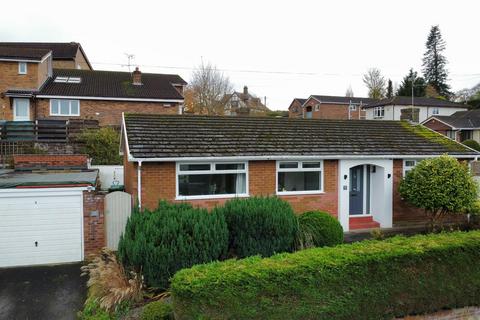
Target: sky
point(279, 49)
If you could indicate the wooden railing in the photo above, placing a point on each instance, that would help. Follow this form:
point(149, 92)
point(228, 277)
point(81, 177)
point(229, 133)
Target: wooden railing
point(45, 130)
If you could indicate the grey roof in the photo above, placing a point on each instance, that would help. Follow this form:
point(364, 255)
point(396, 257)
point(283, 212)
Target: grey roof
point(20, 53)
point(113, 84)
point(343, 99)
point(417, 101)
point(462, 119)
point(12, 179)
point(169, 136)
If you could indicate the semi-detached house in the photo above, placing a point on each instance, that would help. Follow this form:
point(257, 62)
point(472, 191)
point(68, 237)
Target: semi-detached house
point(313, 164)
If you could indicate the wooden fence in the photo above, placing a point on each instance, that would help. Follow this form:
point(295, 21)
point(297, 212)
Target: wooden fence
point(45, 130)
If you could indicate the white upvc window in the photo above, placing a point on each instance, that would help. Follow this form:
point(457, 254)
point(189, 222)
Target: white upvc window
point(353, 107)
point(409, 164)
point(317, 107)
point(299, 177)
point(64, 107)
point(435, 111)
point(207, 180)
point(452, 134)
point(378, 112)
point(22, 68)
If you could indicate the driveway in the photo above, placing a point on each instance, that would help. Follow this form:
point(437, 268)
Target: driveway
point(44, 292)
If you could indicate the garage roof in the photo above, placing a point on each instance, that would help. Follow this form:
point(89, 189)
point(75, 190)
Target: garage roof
point(15, 179)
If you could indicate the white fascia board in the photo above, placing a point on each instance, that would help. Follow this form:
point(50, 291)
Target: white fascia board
point(27, 60)
point(107, 98)
point(33, 190)
point(329, 157)
point(433, 117)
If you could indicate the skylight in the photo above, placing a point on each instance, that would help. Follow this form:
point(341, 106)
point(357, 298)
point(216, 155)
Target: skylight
point(60, 79)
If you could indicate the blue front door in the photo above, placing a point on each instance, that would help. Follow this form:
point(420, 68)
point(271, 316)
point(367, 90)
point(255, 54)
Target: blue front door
point(356, 190)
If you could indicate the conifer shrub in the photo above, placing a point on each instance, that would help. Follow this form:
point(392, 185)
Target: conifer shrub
point(160, 242)
point(319, 229)
point(259, 225)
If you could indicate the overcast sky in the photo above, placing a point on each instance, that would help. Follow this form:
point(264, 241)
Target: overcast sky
point(285, 49)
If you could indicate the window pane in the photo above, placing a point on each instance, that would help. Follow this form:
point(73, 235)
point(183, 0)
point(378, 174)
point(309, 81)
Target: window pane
point(55, 104)
point(64, 107)
point(22, 107)
point(74, 107)
point(299, 181)
point(195, 167)
point(230, 166)
point(211, 184)
point(288, 165)
point(410, 163)
point(311, 165)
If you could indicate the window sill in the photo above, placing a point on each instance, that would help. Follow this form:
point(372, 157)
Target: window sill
point(64, 115)
point(212, 197)
point(295, 193)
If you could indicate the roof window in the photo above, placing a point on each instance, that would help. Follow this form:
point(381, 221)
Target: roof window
point(60, 79)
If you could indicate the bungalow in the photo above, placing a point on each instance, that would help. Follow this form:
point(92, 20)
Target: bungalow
point(295, 109)
point(460, 126)
point(313, 164)
point(402, 108)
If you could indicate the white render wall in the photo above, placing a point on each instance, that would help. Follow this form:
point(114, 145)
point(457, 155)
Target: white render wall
point(393, 112)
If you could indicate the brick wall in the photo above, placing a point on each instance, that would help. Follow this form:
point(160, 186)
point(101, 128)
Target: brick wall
point(158, 182)
point(107, 112)
point(72, 64)
point(439, 127)
point(333, 111)
point(23, 161)
point(93, 226)
point(295, 110)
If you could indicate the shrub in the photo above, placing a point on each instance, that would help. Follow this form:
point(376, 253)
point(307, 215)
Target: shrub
point(172, 237)
point(440, 186)
point(472, 144)
point(108, 282)
point(364, 280)
point(259, 225)
point(102, 145)
point(157, 310)
point(319, 229)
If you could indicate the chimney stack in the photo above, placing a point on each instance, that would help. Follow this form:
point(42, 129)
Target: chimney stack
point(137, 77)
point(245, 90)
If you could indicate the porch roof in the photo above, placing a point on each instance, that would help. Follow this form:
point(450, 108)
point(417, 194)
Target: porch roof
point(183, 136)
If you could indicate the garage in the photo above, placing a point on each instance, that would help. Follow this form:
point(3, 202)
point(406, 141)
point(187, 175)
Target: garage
point(40, 226)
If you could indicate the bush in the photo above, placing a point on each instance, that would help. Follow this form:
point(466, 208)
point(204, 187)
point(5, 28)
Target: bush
point(472, 144)
point(157, 310)
point(259, 225)
point(319, 229)
point(364, 280)
point(172, 237)
point(102, 145)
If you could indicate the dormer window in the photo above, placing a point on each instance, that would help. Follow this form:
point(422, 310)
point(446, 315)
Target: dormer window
point(60, 79)
point(22, 68)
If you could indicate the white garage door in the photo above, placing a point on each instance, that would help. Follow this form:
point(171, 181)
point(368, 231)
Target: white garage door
point(40, 226)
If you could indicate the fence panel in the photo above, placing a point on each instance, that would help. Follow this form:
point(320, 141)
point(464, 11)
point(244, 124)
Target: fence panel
point(118, 207)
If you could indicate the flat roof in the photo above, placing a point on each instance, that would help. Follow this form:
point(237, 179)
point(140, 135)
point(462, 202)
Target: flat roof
point(16, 179)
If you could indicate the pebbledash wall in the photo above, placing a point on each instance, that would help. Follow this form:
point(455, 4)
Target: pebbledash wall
point(158, 183)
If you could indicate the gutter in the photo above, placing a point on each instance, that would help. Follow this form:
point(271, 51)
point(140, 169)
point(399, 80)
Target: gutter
point(139, 184)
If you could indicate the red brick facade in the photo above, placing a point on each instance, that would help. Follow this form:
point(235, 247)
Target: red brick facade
point(93, 222)
point(440, 127)
point(295, 109)
point(22, 161)
point(332, 111)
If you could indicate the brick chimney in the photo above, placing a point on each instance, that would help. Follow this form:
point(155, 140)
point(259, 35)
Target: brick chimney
point(245, 90)
point(137, 77)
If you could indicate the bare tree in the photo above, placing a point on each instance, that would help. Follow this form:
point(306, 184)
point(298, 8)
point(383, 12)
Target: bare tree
point(349, 92)
point(209, 87)
point(375, 83)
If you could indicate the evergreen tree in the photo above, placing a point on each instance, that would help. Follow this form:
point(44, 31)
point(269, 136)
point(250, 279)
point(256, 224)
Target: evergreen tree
point(434, 62)
point(419, 85)
point(389, 89)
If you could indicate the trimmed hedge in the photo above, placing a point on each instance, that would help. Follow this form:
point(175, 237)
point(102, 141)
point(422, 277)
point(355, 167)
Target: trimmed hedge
point(364, 280)
point(319, 229)
point(472, 144)
point(174, 236)
point(259, 225)
point(157, 310)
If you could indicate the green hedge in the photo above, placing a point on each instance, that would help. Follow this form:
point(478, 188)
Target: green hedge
point(319, 229)
point(259, 225)
point(364, 280)
point(174, 236)
point(157, 310)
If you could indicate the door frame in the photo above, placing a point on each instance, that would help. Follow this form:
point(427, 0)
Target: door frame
point(15, 111)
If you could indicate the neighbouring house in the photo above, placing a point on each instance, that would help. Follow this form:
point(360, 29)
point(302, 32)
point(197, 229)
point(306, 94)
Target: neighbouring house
point(460, 126)
point(243, 104)
point(329, 107)
point(351, 169)
point(50, 211)
point(401, 108)
point(65, 55)
point(295, 110)
point(32, 89)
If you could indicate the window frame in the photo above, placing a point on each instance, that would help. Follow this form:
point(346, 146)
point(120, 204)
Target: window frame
point(59, 114)
point(404, 166)
point(352, 107)
point(378, 112)
point(20, 64)
point(212, 170)
point(435, 111)
point(300, 169)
